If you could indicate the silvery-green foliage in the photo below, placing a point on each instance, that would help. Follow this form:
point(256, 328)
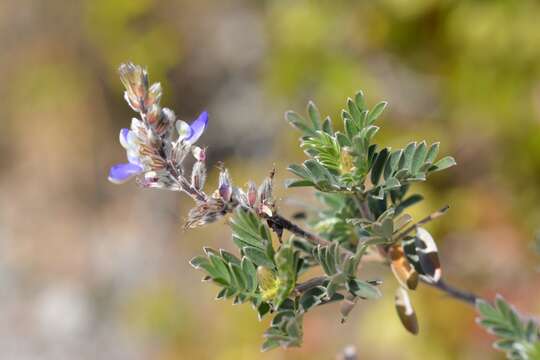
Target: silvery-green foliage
point(518, 337)
point(350, 161)
point(364, 191)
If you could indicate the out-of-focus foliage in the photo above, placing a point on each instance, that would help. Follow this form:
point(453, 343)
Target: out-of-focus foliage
point(90, 277)
point(518, 338)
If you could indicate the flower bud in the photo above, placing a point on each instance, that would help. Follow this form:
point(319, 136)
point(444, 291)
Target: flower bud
point(265, 190)
point(199, 153)
point(268, 283)
point(225, 188)
point(153, 115)
point(168, 116)
point(135, 80)
point(198, 175)
point(346, 161)
point(153, 96)
point(251, 194)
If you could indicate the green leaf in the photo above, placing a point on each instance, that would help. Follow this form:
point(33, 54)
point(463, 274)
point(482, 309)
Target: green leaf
point(299, 171)
point(504, 345)
point(311, 298)
point(270, 344)
point(336, 281)
point(285, 330)
point(343, 140)
point(263, 309)
point(486, 310)
point(360, 100)
point(350, 128)
point(298, 122)
point(419, 157)
point(376, 112)
point(250, 273)
point(314, 115)
point(228, 257)
point(327, 126)
point(378, 166)
point(291, 183)
point(316, 169)
point(432, 153)
point(363, 289)
point(198, 261)
point(258, 257)
point(355, 113)
point(503, 321)
point(443, 164)
point(250, 232)
point(391, 183)
point(220, 267)
point(407, 158)
point(392, 163)
point(237, 276)
point(408, 202)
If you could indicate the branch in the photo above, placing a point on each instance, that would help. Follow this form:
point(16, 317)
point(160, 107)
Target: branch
point(455, 293)
point(309, 284)
point(286, 224)
point(425, 220)
point(461, 295)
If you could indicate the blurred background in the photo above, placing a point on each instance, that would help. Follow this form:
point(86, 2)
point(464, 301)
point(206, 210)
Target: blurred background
point(90, 270)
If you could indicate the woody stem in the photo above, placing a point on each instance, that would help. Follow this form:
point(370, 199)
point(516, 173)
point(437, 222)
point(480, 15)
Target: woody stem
point(455, 293)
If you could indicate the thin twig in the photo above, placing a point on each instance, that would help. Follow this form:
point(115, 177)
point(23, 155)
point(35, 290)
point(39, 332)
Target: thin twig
point(425, 220)
point(455, 293)
point(451, 291)
point(309, 284)
point(286, 224)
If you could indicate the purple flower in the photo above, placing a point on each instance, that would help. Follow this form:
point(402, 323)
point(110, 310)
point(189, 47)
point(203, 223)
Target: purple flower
point(121, 173)
point(141, 152)
point(192, 133)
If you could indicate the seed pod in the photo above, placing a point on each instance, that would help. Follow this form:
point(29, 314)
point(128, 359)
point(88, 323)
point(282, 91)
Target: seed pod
point(428, 255)
point(403, 271)
point(405, 311)
point(347, 305)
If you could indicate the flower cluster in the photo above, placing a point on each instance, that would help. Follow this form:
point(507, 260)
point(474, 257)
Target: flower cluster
point(156, 146)
point(227, 197)
point(153, 147)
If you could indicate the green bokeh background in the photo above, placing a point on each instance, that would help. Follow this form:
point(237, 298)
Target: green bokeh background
point(90, 270)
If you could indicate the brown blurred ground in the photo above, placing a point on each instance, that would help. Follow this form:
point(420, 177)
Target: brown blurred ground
point(90, 270)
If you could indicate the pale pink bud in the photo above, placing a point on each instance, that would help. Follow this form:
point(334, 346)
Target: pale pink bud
point(198, 175)
point(225, 187)
point(251, 194)
point(199, 153)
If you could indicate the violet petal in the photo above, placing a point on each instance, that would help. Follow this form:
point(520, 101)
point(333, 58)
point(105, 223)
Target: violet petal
point(198, 127)
point(124, 138)
point(121, 173)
